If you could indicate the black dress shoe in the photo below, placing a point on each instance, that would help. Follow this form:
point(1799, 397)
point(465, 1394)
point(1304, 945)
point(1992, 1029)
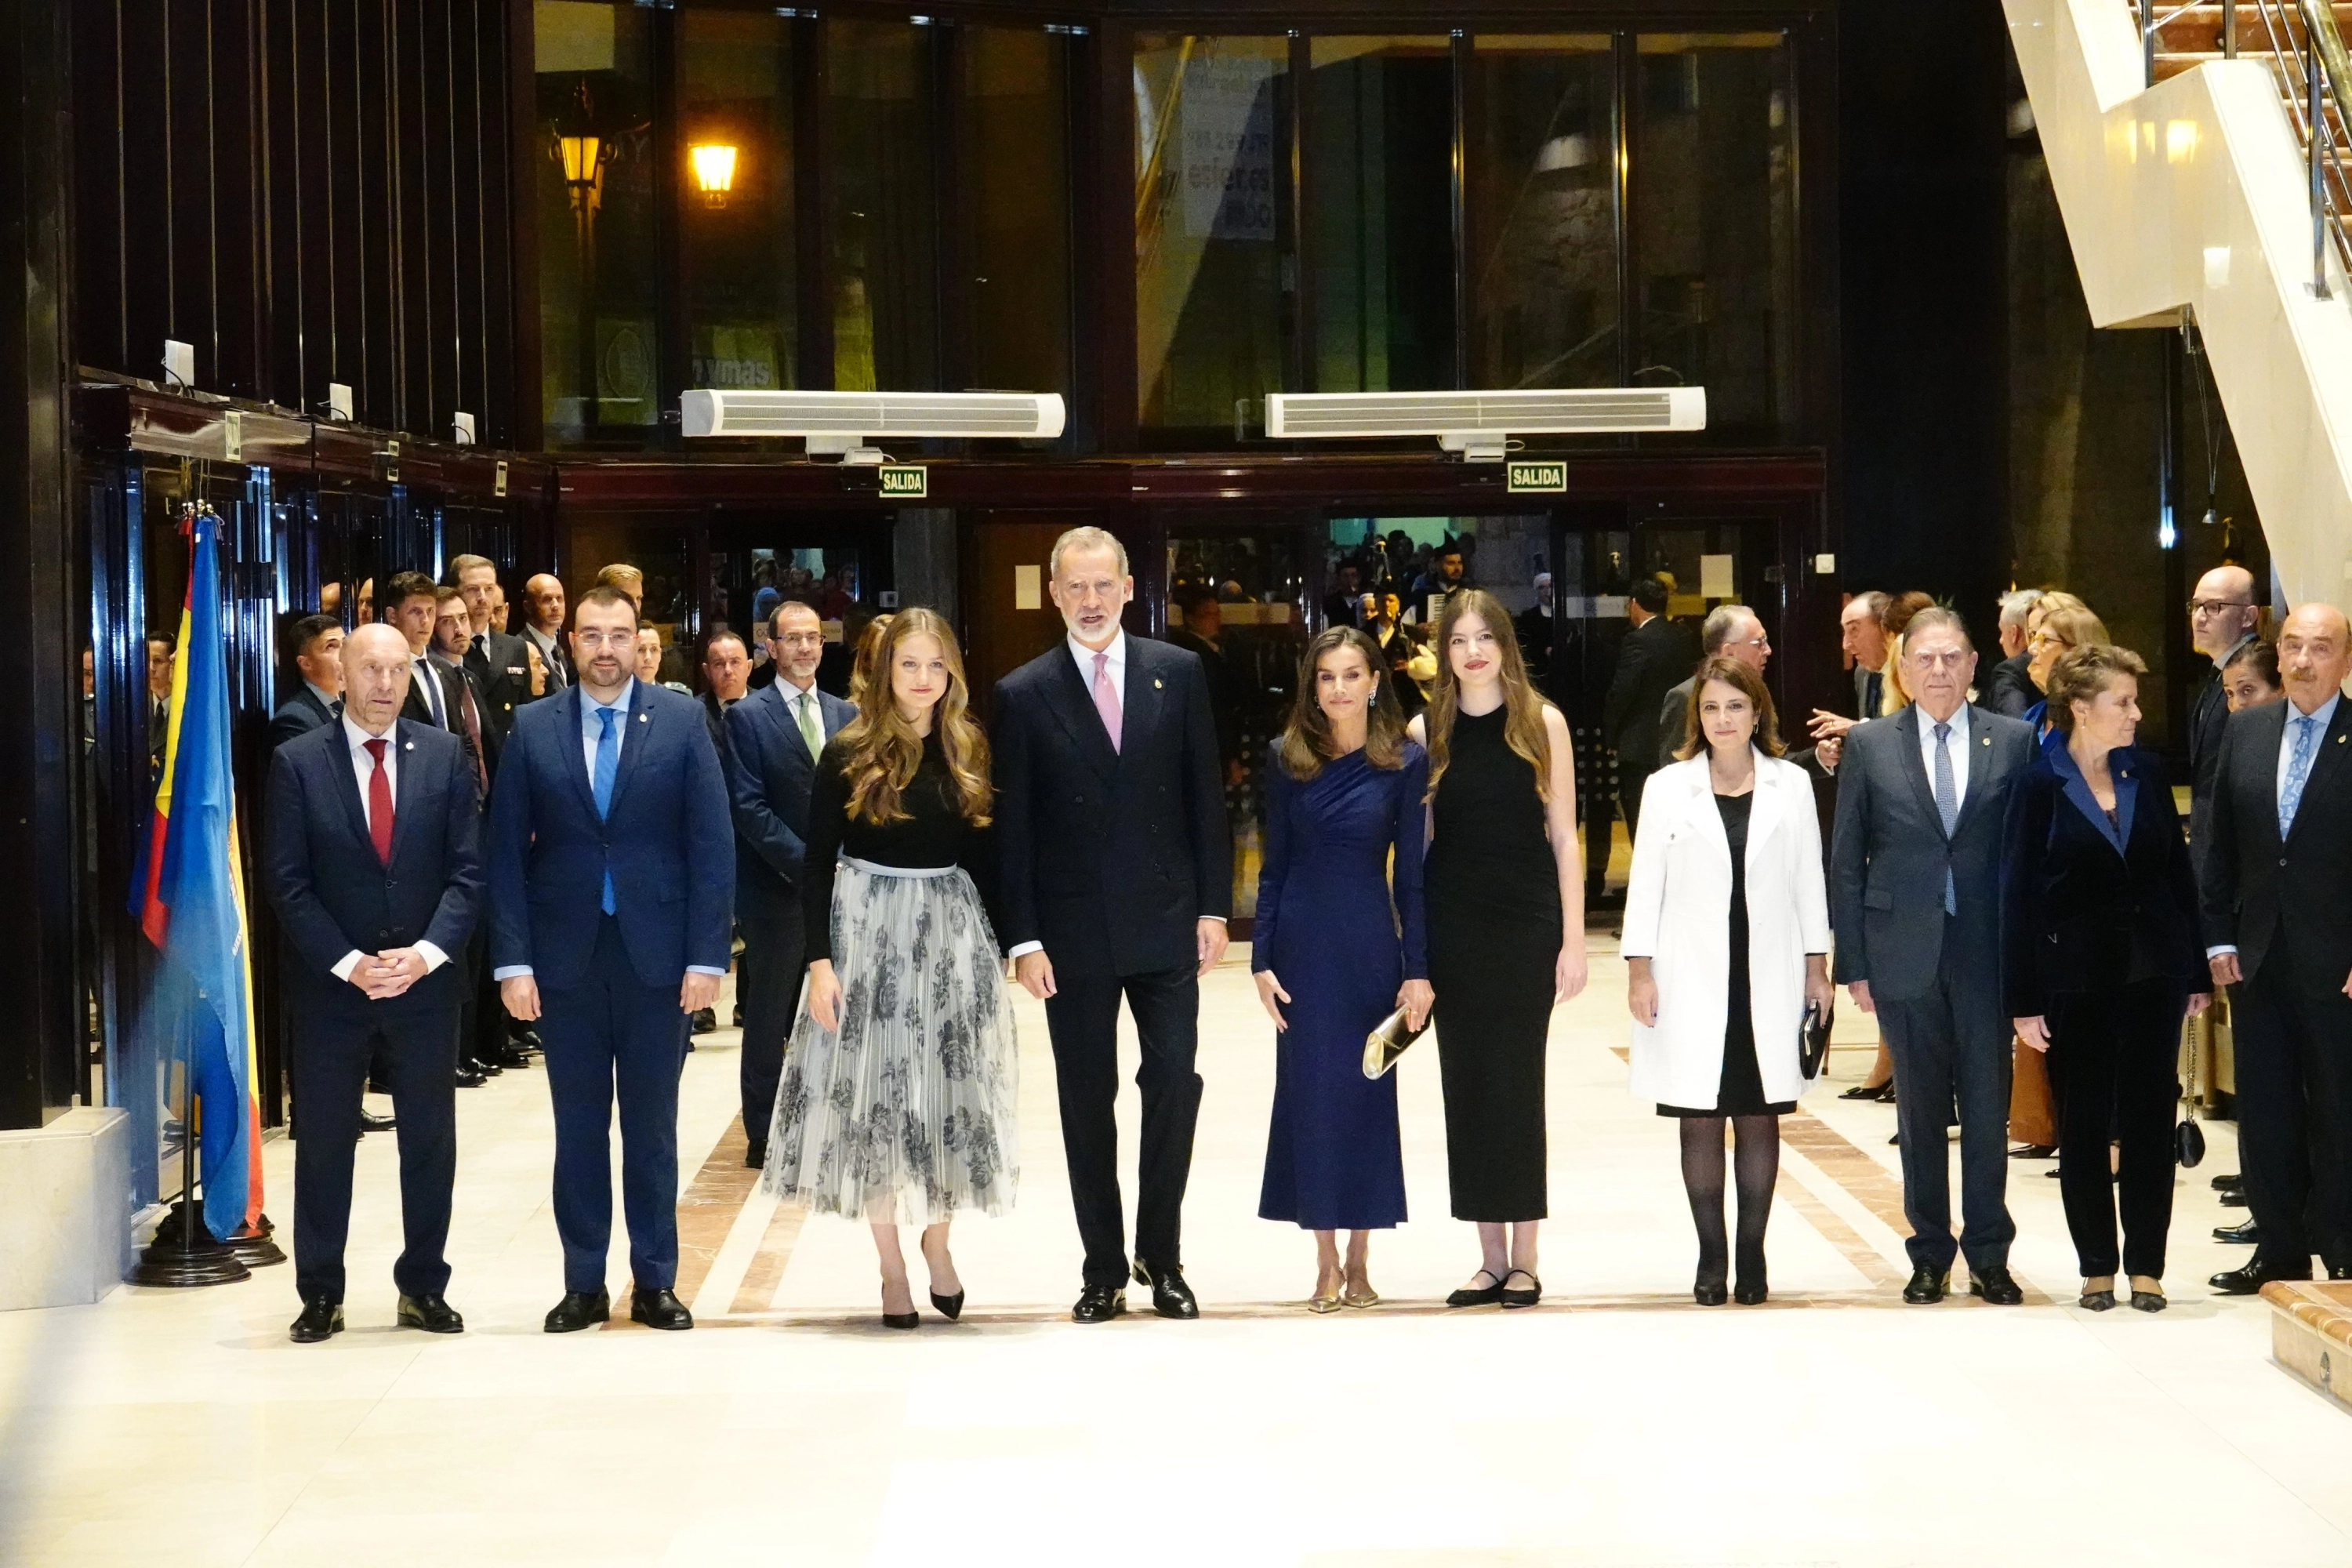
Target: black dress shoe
point(467, 1078)
point(1099, 1304)
point(755, 1155)
point(2224, 1183)
point(1927, 1285)
point(1526, 1295)
point(578, 1310)
point(659, 1309)
point(431, 1313)
point(2034, 1152)
point(374, 1123)
point(1995, 1286)
point(739, 1014)
point(506, 1054)
point(1862, 1092)
point(1170, 1297)
point(1478, 1295)
point(2235, 1198)
point(704, 1021)
point(319, 1320)
point(2257, 1272)
point(2239, 1235)
point(948, 1307)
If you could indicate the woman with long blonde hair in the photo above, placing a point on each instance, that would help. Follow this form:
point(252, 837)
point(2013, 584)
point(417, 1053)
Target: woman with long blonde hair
point(898, 1104)
point(1505, 885)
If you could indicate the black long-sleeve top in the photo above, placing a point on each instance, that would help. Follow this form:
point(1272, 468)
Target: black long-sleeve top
point(935, 832)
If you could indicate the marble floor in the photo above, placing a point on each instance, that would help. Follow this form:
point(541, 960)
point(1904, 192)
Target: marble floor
point(1617, 1424)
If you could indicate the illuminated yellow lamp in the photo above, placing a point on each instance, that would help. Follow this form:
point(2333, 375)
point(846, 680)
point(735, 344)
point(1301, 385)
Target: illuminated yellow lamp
point(714, 171)
point(581, 156)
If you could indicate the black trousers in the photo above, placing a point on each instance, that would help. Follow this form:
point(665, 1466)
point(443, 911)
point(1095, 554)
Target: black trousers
point(2294, 1111)
point(1081, 1017)
point(769, 984)
point(330, 1068)
point(1951, 1050)
point(2114, 1061)
point(482, 1032)
point(1629, 797)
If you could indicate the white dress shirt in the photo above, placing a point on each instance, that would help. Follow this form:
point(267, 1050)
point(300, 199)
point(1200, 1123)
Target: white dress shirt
point(355, 741)
point(1117, 668)
point(2323, 715)
point(796, 696)
point(427, 676)
point(1959, 748)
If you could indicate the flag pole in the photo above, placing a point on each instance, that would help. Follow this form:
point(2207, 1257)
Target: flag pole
point(188, 1264)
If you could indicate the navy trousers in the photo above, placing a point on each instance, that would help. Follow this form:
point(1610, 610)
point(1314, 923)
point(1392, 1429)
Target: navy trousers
point(613, 1036)
point(1951, 1049)
point(330, 1056)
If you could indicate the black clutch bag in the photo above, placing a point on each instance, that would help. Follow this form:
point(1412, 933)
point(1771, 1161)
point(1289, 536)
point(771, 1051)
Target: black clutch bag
point(1814, 1041)
point(1388, 1041)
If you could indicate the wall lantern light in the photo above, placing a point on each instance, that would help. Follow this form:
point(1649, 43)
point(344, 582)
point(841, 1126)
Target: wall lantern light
point(714, 171)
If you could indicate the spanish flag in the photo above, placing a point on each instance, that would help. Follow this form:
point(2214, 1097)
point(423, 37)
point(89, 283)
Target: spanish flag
point(190, 896)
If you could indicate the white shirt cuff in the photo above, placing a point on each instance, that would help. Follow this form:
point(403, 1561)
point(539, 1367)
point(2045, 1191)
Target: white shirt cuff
point(703, 969)
point(1219, 918)
point(2212, 952)
point(1027, 947)
point(510, 971)
point(433, 956)
point(345, 964)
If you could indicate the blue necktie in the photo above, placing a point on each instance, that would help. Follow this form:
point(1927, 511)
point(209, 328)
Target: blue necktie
point(2298, 770)
point(1948, 804)
point(608, 766)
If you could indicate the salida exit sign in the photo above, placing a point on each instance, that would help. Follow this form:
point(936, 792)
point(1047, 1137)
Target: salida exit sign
point(1534, 478)
point(906, 481)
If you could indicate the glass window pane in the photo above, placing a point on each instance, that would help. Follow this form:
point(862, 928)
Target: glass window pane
point(1379, 222)
point(1211, 246)
point(1714, 194)
point(1542, 212)
point(735, 122)
point(883, 218)
point(597, 271)
point(1016, 192)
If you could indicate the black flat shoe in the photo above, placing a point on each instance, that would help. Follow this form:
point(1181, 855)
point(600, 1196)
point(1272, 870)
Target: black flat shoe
point(1927, 1285)
point(1170, 1297)
point(1995, 1286)
point(659, 1309)
point(1099, 1304)
point(2238, 1235)
point(577, 1310)
point(319, 1320)
point(2034, 1152)
point(1478, 1295)
point(2096, 1300)
point(1521, 1298)
point(755, 1156)
point(2147, 1301)
point(1863, 1091)
point(2250, 1279)
point(948, 1307)
point(431, 1313)
point(2235, 1198)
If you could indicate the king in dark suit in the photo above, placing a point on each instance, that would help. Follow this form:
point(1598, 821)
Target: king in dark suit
point(1117, 879)
point(372, 861)
point(774, 737)
point(612, 873)
point(2274, 875)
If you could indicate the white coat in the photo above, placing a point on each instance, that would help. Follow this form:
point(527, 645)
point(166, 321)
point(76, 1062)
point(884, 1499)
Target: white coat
point(1678, 912)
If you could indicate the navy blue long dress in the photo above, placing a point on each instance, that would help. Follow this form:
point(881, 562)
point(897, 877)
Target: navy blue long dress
point(1329, 929)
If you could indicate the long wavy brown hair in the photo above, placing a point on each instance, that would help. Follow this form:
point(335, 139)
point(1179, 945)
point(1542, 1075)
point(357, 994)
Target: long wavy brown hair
point(861, 659)
point(1307, 743)
point(1749, 684)
point(881, 749)
point(1523, 724)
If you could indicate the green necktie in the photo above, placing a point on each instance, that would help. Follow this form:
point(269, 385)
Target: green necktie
point(811, 730)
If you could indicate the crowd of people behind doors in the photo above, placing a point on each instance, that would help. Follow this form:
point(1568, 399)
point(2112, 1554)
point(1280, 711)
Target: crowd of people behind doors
point(486, 848)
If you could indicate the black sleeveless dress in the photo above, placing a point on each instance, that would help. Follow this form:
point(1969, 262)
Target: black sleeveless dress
point(1494, 931)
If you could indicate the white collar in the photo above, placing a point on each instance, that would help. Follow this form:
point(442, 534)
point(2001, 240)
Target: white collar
point(357, 739)
point(1117, 648)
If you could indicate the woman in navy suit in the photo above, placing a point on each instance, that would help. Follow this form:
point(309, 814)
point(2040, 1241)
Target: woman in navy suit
point(2101, 958)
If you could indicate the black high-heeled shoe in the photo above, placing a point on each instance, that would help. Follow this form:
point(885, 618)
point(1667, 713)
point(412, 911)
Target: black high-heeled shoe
point(900, 1320)
point(948, 1307)
point(1709, 1292)
point(1752, 1288)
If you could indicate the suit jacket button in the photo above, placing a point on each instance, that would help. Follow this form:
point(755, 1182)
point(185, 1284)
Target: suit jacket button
point(2282, 860)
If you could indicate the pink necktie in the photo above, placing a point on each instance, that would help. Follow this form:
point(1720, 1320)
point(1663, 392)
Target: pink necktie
point(1106, 698)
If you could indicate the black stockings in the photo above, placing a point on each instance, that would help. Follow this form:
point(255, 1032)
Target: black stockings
point(1756, 1165)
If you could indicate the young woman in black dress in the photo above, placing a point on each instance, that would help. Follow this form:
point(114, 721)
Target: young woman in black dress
point(1504, 883)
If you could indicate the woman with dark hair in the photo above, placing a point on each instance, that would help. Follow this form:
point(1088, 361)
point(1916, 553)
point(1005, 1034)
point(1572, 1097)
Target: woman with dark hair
point(1727, 942)
point(1506, 929)
point(898, 1100)
point(2251, 677)
point(1336, 950)
point(2100, 958)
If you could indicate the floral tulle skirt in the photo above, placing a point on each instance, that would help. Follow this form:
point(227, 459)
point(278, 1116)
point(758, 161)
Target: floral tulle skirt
point(907, 1114)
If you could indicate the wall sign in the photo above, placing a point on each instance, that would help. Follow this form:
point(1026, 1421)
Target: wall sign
point(1534, 478)
point(906, 481)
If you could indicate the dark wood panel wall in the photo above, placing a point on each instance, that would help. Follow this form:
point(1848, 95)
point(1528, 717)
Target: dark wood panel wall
point(306, 191)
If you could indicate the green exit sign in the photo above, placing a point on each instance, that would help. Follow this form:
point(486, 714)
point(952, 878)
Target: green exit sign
point(906, 481)
point(1534, 478)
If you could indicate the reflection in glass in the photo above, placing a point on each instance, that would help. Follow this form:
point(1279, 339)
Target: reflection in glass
point(735, 116)
point(1380, 230)
point(597, 272)
point(1542, 213)
point(882, 219)
point(1014, 175)
point(1211, 241)
point(1713, 166)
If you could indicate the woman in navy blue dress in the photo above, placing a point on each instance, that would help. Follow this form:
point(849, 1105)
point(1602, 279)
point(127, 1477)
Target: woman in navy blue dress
point(1334, 953)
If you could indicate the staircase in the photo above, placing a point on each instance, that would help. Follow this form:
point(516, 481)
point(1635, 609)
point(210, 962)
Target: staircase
point(2189, 185)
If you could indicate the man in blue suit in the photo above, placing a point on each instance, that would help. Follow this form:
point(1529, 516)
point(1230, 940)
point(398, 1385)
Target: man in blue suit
point(774, 737)
point(316, 644)
point(372, 858)
point(611, 880)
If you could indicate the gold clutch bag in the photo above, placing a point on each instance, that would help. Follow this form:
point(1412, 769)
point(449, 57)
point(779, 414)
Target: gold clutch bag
point(1388, 1041)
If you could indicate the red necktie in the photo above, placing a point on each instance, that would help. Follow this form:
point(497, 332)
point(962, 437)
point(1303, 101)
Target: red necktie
point(380, 805)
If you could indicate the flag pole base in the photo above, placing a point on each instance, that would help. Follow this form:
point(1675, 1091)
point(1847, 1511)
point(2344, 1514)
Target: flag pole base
point(168, 1265)
point(255, 1249)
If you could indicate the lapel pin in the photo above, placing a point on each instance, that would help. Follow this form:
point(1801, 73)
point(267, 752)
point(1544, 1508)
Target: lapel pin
point(642, 718)
point(408, 746)
point(1156, 684)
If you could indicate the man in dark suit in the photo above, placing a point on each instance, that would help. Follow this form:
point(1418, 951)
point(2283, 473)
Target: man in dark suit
point(1117, 879)
point(1729, 631)
point(1204, 621)
point(414, 604)
point(612, 873)
point(2010, 688)
point(2222, 618)
point(542, 626)
point(726, 681)
point(1862, 638)
point(316, 644)
point(1655, 656)
point(2276, 879)
point(163, 652)
point(1915, 900)
point(774, 739)
point(372, 861)
point(500, 669)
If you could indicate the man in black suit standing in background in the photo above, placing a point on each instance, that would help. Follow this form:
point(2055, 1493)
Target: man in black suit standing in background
point(371, 855)
point(542, 625)
point(500, 670)
point(2010, 689)
point(1655, 656)
point(2275, 878)
point(2222, 618)
point(1118, 867)
point(316, 643)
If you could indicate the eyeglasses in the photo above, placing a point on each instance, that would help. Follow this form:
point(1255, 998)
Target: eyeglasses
point(2046, 639)
point(617, 640)
point(2202, 608)
point(803, 639)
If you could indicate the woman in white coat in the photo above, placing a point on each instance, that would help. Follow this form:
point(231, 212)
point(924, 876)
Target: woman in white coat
point(1727, 937)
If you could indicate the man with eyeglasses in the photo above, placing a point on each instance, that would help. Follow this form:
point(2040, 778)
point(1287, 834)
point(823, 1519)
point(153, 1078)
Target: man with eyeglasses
point(2222, 618)
point(1735, 632)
